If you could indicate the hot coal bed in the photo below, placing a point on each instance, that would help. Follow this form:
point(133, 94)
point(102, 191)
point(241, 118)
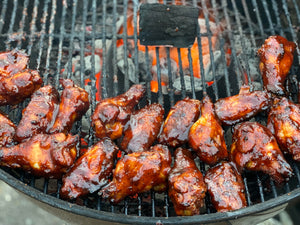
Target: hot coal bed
point(96, 44)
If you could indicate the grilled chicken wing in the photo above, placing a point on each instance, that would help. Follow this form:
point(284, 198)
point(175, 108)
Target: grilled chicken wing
point(7, 131)
point(284, 123)
point(245, 105)
point(276, 59)
point(91, 171)
point(206, 136)
point(139, 172)
point(39, 113)
point(74, 104)
point(42, 155)
point(179, 121)
point(19, 86)
point(226, 187)
point(255, 148)
point(16, 81)
point(186, 186)
point(143, 128)
point(112, 114)
point(12, 62)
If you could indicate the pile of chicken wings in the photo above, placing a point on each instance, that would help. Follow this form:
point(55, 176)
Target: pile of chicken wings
point(158, 152)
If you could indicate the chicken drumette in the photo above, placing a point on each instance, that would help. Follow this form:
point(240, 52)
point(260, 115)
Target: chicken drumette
point(255, 148)
point(139, 172)
point(7, 131)
point(206, 136)
point(284, 123)
point(276, 59)
point(91, 171)
point(39, 114)
point(42, 155)
point(16, 81)
point(73, 105)
point(225, 187)
point(186, 186)
point(245, 105)
point(179, 121)
point(143, 128)
point(112, 114)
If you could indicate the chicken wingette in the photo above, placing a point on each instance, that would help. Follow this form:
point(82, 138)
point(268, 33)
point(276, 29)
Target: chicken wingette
point(7, 131)
point(39, 113)
point(139, 172)
point(186, 185)
point(43, 155)
point(206, 136)
point(91, 170)
point(112, 114)
point(284, 123)
point(179, 121)
point(255, 148)
point(276, 59)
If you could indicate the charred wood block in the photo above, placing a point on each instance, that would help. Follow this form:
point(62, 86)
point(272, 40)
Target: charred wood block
point(174, 25)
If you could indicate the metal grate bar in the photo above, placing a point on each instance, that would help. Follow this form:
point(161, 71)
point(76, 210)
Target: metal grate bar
point(50, 41)
point(104, 59)
point(160, 96)
point(247, 191)
point(149, 77)
point(114, 48)
point(2, 16)
point(191, 73)
point(266, 10)
point(254, 3)
point(260, 188)
point(135, 36)
point(61, 38)
point(24, 13)
point(170, 75)
point(42, 33)
point(139, 198)
point(222, 43)
point(202, 72)
point(273, 188)
point(71, 43)
point(297, 10)
point(125, 54)
point(182, 81)
point(82, 43)
point(153, 203)
point(45, 186)
point(246, 10)
point(211, 54)
point(33, 26)
point(11, 24)
point(277, 16)
point(166, 198)
point(126, 206)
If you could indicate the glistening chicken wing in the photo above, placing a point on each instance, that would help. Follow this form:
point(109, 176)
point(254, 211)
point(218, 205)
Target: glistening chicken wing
point(186, 186)
point(91, 171)
point(225, 187)
point(284, 123)
point(139, 172)
point(206, 136)
point(245, 105)
point(39, 113)
point(143, 128)
point(255, 148)
point(112, 114)
point(276, 59)
point(179, 121)
point(73, 105)
point(43, 155)
point(7, 131)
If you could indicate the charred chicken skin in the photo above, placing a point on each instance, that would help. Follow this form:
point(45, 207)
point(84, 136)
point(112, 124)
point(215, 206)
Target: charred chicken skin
point(179, 121)
point(91, 171)
point(139, 172)
point(255, 148)
point(143, 128)
point(206, 136)
point(16, 81)
point(225, 187)
point(284, 123)
point(112, 114)
point(7, 131)
point(245, 105)
point(276, 59)
point(43, 155)
point(73, 105)
point(39, 113)
point(186, 186)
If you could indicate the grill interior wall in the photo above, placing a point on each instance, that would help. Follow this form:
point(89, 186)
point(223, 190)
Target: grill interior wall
point(53, 32)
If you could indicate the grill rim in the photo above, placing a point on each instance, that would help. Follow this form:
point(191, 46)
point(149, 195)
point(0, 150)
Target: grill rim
point(129, 219)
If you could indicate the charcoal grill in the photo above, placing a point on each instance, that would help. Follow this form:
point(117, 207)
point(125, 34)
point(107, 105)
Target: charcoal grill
point(55, 32)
